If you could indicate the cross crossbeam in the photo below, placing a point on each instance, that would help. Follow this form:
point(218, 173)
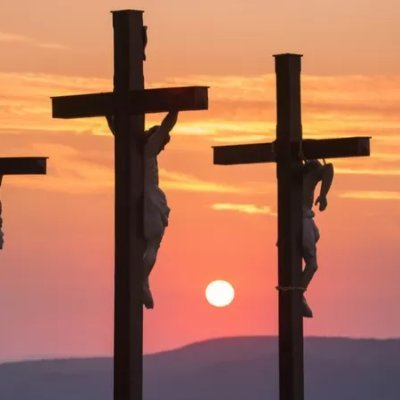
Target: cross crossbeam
point(139, 102)
point(311, 149)
point(128, 104)
point(288, 151)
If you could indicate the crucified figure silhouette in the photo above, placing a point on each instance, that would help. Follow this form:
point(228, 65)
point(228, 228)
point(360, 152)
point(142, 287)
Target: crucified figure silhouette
point(155, 207)
point(313, 173)
point(156, 210)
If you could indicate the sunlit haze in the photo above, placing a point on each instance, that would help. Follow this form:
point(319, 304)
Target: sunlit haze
point(56, 286)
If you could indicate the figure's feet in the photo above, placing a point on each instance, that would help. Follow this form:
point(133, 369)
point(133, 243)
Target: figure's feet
point(307, 312)
point(148, 301)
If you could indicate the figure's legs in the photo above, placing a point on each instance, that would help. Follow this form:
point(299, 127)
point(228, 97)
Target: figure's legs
point(310, 238)
point(310, 269)
point(149, 259)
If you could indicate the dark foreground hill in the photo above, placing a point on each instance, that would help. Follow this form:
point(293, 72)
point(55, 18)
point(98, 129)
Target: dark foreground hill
point(230, 368)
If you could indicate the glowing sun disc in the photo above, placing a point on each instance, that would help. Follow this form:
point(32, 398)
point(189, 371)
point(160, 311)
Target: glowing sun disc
point(220, 293)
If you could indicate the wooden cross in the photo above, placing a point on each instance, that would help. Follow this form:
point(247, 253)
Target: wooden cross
point(128, 104)
point(22, 166)
point(287, 151)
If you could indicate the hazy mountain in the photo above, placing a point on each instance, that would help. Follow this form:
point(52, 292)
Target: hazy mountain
point(229, 368)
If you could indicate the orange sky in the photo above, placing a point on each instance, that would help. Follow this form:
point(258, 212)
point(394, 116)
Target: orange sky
point(56, 286)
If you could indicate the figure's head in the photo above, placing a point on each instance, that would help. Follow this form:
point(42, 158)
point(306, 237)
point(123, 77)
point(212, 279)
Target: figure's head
point(311, 164)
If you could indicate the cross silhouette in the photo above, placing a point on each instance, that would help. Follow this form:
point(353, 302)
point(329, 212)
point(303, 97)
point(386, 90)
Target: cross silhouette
point(19, 166)
point(288, 151)
point(127, 106)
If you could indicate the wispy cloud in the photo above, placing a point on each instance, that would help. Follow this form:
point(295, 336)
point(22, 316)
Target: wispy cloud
point(233, 139)
point(391, 157)
point(68, 172)
point(6, 37)
point(243, 129)
point(25, 102)
point(239, 106)
point(242, 110)
point(184, 182)
point(364, 171)
point(244, 208)
point(370, 195)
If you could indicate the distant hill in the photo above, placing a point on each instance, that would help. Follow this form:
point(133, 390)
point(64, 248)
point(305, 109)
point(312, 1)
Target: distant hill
point(244, 368)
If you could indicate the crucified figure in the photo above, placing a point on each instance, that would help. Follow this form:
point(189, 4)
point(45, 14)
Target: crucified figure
point(313, 173)
point(155, 207)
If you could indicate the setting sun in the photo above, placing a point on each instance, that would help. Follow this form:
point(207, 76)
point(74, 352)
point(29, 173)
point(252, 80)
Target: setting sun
point(220, 293)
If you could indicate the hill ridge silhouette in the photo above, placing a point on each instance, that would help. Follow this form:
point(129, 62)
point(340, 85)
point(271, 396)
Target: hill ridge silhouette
point(230, 367)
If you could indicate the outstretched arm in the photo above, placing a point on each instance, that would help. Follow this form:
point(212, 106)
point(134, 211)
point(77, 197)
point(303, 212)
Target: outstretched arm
point(326, 182)
point(111, 123)
point(157, 140)
point(169, 121)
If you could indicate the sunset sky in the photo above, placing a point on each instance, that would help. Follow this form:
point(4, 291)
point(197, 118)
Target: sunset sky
point(56, 268)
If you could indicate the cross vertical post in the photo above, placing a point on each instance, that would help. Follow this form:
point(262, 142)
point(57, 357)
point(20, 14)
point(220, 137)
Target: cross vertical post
point(129, 240)
point(290, 199)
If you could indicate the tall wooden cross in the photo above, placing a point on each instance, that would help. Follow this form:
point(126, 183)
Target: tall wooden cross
point(287, 151)
point(128, 104)
point(22, 166)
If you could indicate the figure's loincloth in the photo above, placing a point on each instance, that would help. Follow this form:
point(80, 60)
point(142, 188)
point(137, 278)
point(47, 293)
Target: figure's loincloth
point(155, 212)
point(310, 233)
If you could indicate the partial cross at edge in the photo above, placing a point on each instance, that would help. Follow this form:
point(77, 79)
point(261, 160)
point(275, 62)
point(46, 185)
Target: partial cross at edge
point(23, 165)
point(20, 166)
